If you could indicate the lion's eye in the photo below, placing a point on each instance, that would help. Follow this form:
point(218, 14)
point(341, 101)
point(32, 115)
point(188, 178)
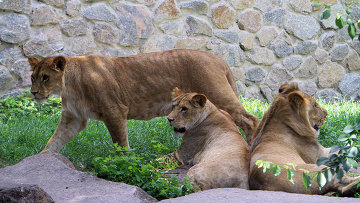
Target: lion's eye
point(32, 78)
point(183, 109)
point(45, 78)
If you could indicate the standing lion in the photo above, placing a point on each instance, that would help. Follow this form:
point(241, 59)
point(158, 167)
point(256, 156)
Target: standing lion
point(135, 87)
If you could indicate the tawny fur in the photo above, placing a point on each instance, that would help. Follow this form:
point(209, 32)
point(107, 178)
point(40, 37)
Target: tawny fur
point(212, 144)
point(135, 87)
point(287, 134)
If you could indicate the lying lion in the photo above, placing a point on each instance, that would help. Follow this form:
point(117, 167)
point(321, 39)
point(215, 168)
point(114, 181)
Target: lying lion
point(288, 134)
point(136, 87)
point(211, 142)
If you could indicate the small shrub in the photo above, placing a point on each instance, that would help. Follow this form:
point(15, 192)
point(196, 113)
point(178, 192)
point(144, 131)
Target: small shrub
point(142, 170)
point(23, 105)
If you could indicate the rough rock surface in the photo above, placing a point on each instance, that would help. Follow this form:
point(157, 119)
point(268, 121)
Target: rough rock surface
point(57, 177)
point(250, 20)
point(24, 193)
point(254, 196)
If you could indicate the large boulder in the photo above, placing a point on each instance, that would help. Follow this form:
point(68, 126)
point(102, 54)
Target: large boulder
point(254, 196)
point(56, 175)
point(24, 193)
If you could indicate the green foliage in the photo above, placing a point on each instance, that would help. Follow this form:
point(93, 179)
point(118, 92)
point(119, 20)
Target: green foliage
point(11, 107)
point(341, 20)
point(142, 170)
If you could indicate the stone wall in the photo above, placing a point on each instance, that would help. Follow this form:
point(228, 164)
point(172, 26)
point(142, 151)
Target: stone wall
point(266, 42)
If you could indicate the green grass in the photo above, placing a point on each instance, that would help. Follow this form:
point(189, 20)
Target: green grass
point(25, 134)
point(340, 114)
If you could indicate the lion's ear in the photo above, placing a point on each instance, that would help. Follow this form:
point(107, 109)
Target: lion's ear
point(176, 92)
point(59, 63)
point(32, 61)
point(199, 100)
point(296, 100)
point(287, 88)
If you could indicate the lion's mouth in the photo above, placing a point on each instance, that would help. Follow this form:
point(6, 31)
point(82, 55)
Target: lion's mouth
point(180, 130)
point(316, 127)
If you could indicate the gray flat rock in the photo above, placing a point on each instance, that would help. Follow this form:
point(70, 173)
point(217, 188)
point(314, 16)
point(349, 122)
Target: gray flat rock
point(58, 178)
point(254, 196)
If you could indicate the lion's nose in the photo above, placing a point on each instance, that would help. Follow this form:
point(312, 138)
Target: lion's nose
point(170, 119)
point(34, 92)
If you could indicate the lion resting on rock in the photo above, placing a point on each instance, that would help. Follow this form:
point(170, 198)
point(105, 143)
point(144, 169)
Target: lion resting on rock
point(211, 142)
point(136, 87)
point(288, 134)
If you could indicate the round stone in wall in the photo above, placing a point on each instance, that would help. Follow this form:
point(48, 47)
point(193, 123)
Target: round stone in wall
point(135, 24)
point(72, 8)
point(166, 9)
point(105, 33)
point(353, 61)
point(20, 6)
point(172, 27)
point(255, 74)
point(242, 4)
point(197, 26)
point(246, 40)
point(339, 52)
point(56, 3)
point(45, 42)
point(300, 6)
point(305, 47)
point(250, 20)
point(277, 76)
point(6, 80)
point(327, 40)
point(330, 75)
point(82, 45)
point(350, 86)
point(328, 95)
point(308, 69)
point(259, 55)
point(222, 15)
point(267, 5)
point(199, 6)
point(15, 28)
point(74, 27)
point(302, 26)
point(292, 62)
point(21, 69)
point(266, 35)
point(43, 15)
point(99, 11)
point(321, 55)
point(275, 17)
point(9, 54)
point(231, 36)
point(308, 86)
point(281, 48)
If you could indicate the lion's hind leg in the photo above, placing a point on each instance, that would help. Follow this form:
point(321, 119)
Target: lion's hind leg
point(116, 123)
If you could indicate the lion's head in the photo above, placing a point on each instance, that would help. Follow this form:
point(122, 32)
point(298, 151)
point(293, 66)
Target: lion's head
point(47, 75)
point(188, 110)
point(296, 110)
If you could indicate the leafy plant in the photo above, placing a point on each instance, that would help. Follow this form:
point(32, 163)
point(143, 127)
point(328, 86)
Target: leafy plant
point(340, 20)
point(335, 164)
point(142, 170)
point(11, 107)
